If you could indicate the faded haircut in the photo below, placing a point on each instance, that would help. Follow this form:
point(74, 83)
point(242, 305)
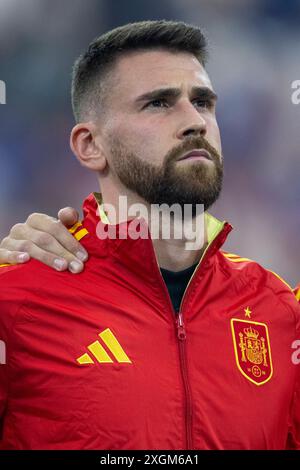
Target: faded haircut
point(92, 68)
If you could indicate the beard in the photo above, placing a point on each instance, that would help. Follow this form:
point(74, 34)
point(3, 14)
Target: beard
point(171, 183)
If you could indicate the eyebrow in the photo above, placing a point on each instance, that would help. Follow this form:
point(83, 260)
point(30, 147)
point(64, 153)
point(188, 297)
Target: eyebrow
point(199, 92)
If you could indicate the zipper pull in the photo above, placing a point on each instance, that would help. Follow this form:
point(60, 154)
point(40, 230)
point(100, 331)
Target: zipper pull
point(180, 327)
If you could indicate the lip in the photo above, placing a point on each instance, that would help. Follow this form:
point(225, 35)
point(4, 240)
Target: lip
point(196, 153)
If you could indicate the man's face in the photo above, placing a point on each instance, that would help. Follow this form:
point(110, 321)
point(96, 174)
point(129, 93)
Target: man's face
point(161, 106)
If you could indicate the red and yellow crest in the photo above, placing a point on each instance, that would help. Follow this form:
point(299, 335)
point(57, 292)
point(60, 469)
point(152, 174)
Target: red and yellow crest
point(252, 350)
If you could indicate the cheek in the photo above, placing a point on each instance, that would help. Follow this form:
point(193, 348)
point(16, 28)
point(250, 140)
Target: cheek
point(213, 134)
point(146, 141)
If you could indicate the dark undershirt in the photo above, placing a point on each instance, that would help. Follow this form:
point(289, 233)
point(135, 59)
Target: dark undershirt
point(176, 283)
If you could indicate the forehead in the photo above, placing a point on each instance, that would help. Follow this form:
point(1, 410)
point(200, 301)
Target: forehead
point(143, 71)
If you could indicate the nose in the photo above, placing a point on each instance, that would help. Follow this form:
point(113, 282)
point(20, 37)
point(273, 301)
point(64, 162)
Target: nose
point(193, 124)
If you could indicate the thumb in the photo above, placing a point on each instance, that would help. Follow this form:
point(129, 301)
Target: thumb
point(68, 216)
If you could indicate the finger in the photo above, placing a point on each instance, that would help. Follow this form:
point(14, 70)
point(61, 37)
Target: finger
point(54, 260)
point(29, 238)
point(68, 216)
point(50, 226)
point(13, 257)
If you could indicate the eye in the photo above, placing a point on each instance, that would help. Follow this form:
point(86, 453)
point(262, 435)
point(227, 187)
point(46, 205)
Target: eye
point(159, 103)
point(201, 103)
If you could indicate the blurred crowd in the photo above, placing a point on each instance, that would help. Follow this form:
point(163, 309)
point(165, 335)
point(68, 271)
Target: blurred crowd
point(254, 58)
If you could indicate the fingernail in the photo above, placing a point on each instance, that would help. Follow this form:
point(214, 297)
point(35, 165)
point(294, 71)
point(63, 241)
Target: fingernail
point(23, 257)
point(59, 264)
point(81, 255)
point(75, 266)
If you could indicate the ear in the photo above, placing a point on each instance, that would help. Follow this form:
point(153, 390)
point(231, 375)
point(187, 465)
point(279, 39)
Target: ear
point(85, 142)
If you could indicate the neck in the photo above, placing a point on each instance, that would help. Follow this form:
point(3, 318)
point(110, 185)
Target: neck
point(172, 255)
point(178, 242)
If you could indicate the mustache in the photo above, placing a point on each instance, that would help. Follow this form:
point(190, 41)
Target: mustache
point(191, 144)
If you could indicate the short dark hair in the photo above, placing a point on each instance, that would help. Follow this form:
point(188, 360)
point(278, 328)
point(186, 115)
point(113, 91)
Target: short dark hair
point(93, 66)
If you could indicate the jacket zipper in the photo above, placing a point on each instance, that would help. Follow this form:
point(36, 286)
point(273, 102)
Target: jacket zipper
point(181, 335)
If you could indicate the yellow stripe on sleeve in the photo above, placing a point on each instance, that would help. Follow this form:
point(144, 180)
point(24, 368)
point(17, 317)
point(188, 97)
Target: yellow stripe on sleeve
point(282, 280)
point(79, 235)
point(231, 255)
point(236, 259)
point(75, 227)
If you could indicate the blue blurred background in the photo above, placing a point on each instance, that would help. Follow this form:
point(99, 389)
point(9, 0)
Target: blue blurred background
point(255, 50)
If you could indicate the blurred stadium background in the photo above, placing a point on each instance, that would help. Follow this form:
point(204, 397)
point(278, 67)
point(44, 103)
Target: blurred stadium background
point(255, 49)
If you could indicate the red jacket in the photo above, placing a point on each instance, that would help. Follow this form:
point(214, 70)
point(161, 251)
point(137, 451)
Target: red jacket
point(100, 360)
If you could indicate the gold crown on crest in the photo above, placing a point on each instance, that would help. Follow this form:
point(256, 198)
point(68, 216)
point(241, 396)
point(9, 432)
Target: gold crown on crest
point(251, 332)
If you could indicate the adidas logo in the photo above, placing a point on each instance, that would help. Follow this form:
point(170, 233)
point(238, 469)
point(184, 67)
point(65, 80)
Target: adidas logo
point(100, 354)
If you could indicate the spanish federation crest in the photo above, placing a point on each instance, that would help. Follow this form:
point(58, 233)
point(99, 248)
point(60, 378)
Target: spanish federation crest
point(252, 350)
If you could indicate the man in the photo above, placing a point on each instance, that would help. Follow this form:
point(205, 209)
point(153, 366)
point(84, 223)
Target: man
point(112, 358)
